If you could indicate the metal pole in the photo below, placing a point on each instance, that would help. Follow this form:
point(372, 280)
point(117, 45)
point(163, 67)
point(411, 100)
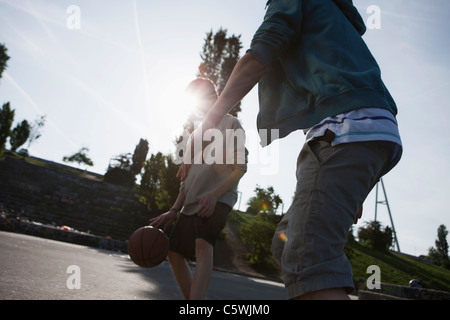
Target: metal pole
point(390, 216)
point(240, 197)
point(376, 202)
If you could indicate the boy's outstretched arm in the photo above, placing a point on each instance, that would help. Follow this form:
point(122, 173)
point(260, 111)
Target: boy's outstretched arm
point(246, 74)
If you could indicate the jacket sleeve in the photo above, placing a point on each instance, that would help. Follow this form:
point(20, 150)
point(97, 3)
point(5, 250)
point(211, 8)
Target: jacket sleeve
point(280, 28)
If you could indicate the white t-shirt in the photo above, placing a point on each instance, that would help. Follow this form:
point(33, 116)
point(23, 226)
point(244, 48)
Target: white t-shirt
point(365, 124)
point(213, 164)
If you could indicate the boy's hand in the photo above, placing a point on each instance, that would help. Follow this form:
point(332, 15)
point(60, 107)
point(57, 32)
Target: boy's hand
point(207, 205)
point(164, 219)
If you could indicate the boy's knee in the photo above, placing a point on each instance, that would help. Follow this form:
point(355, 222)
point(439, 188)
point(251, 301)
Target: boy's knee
point(174, 256)
point(203, 247)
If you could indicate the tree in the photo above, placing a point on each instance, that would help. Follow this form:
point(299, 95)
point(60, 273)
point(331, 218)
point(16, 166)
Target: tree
point(265, 201)
point(6, 114)
point(439, 255)
point(258, 233)
point(139, 156)
point(152, 183)
point(6, 120)
point(122, 161)
point(171, 182)
point(122, 169)
point(259, 230)
point(79, 157)
point(219, 56)
point(119, 171)
point(3, 58)
point(19, 135)
point(376, 238)
point(159, 184)
point(35, 130)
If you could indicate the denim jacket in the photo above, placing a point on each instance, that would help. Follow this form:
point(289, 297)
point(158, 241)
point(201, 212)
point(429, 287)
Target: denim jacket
point(317, 65)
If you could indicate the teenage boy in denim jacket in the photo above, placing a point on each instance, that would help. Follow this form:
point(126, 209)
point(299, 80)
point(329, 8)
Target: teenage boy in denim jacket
point(316, 73)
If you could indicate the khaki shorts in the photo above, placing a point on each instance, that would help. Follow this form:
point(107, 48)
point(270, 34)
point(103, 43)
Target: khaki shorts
point(332, 184)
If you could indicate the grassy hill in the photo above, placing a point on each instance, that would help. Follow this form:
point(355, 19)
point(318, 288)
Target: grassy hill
point(395, 268)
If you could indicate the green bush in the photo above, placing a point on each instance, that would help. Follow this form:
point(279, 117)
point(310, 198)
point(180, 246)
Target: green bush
point(258, 233)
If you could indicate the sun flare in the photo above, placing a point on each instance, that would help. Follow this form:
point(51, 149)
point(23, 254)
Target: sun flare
point(174, 105)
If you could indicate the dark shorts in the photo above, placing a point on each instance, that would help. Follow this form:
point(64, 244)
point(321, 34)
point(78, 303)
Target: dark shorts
point(188, 228)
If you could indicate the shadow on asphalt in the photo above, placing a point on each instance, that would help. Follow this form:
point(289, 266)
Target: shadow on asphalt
point(159, 284)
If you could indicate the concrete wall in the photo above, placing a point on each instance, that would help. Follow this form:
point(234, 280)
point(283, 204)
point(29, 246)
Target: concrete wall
point(58, 195)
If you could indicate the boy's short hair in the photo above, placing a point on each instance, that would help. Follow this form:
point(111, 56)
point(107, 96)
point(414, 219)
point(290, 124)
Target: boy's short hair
point(202, 87)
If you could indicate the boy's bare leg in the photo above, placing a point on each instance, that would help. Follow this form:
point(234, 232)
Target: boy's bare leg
point(181, 272)
point(203, 270)
point(326, 294)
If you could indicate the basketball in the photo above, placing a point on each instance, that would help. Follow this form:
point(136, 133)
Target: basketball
point(148, 246)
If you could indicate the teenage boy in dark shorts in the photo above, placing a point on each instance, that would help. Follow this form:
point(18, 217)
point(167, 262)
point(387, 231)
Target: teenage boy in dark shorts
point(206, 196)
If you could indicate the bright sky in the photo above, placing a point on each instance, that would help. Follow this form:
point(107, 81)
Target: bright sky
point(121, 75)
